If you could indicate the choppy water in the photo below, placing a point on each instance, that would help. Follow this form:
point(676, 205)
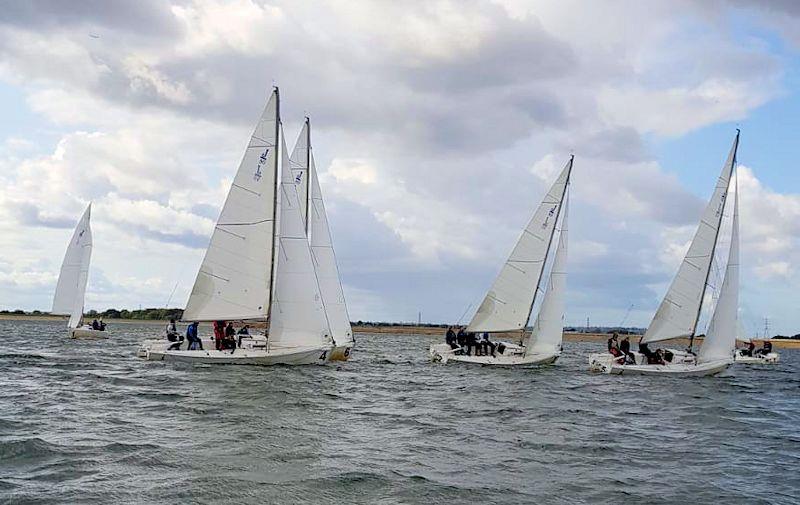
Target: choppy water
point(88, 422)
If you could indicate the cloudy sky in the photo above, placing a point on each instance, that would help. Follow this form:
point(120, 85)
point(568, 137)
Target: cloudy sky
point(437, 127)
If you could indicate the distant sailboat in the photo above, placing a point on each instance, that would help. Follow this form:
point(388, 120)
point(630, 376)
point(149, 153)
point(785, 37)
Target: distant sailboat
point(319, 236)
point(508, 304)
point(680, 310)
point(71, 287)
point(254, 270)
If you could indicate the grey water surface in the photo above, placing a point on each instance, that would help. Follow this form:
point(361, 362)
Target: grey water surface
point(88, 422)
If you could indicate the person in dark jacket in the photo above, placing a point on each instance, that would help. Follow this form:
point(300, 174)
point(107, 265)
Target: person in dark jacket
point(191, 336)
point(461, 337)
point(612, 341)
point(230, 338)
point(450, 338)
point(625, 347)
point(472, 343)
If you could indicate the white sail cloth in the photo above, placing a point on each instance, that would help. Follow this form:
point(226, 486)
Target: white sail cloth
point(508, 303)
point(298, 316)
point(325, 262)
point(679, 310)
point(234, 279)
point(720, 340)
point(299, 162)
point(548, 330)
point(71, 287)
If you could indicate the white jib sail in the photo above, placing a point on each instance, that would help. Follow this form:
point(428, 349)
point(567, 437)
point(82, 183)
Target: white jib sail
point(548, 330)
point(71, 287)
point(299, 162)
point(325, 262)
point(679, 310)
point(297, 318)
point(507, 306)
point(720, 340)
point(234, 279)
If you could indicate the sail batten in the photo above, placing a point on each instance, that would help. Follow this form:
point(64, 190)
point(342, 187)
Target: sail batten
point(234, 280)
point(74, 275)
point(679, 312)
point(515, 285)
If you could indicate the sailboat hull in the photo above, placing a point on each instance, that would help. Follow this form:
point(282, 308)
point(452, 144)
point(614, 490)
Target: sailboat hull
point(513, 356)
point(88, 333)
point(676, 370)
point(341, 353)
point(253, 351)
point(761, 359)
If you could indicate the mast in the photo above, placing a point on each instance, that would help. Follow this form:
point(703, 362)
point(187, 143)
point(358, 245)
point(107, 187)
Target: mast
point(716, 237)
point(550, 241)
point(274, 205)
point(308, 170)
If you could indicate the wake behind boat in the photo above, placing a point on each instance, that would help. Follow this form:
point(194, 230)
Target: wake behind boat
point(258, 267)
point(72, 279)
point(679, 312)
point(510, 301)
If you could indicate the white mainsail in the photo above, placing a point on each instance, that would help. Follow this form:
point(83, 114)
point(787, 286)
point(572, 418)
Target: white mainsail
point(71, 287)
point(299, 162)
point(720, 340)
point(548, 329)
point(297, 317)
point(325, 262)
point(235, 278)
point(679, 311)
point(508, 304)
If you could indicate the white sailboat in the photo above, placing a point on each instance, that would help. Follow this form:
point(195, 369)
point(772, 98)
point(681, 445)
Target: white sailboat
point(508, 304)
point(319, 236)
point(71, 288)
point(258, 265)
point(680, 310)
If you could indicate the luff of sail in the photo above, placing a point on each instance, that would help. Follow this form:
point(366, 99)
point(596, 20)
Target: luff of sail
point(325, 262)
point(720, 339)
point(548, 328)
point(679, 311)
point(299, 162)
point(234, 280)
point(508, 304)
point(71, 287)
point(297, 318)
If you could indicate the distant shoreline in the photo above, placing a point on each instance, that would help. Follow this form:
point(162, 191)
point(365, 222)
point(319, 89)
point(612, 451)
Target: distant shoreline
point(413, 330)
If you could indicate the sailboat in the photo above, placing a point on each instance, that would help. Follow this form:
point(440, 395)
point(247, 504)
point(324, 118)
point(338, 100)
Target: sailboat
point(71, 287)
point(258, 266)
point(679, 312)
point(510, 301)
point(319, 236)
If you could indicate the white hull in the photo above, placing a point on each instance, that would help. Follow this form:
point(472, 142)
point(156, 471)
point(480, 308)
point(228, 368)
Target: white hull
point(759, 359)
point(87, 332)
point(683, 367)
point(514, 355)
point(252, 352)
point(342, 352)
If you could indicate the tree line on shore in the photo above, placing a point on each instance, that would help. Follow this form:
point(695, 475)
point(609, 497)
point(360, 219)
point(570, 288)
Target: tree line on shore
point(164, 314)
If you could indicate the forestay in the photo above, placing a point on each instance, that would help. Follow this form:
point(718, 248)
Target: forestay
point(325, 263)
point(71, 287)
point(680, 309)
point(508, 304)
point(297, 318)
point(234, 279)
point(720, 340)
point(548, 329)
